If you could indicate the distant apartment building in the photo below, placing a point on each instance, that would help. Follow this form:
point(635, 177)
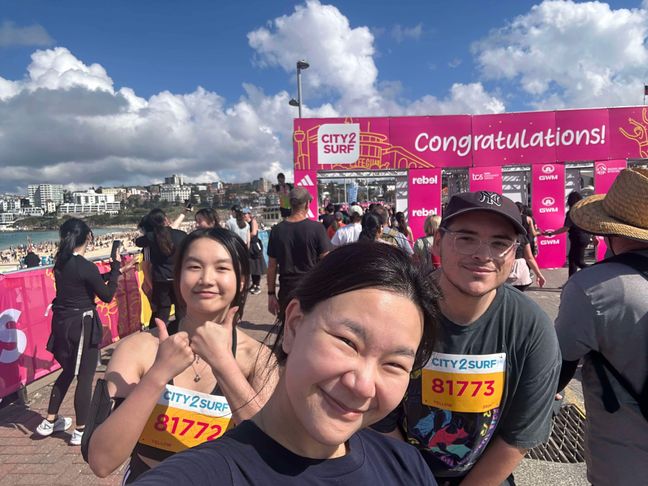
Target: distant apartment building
point(7, 218)
point(91, 197)
point(81, 209)
point(50, 207)
point(174, 180)
point(261, 185)
point(39, 193)
point(9, 203)
point(174, 193)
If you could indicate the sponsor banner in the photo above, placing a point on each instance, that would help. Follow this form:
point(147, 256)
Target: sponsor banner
point(582, 135)
point(431, 141)
point(513, 138)
point(423, 197)
point(470, 140)
point(548, 203)
point(308, 180)
point(605, 172)
point(25, 322)
point(486, 179)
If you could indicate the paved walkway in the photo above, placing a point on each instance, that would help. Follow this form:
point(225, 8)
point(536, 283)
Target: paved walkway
point(26, 458)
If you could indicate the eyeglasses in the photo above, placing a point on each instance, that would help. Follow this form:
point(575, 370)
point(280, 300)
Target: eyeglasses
point(467, 244)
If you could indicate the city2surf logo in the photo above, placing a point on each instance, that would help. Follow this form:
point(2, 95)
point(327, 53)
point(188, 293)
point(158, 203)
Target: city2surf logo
point(338, 143)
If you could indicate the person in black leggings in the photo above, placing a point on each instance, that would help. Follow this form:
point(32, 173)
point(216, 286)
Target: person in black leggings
point(162, 240)
point(76, 328)
point(578, 239)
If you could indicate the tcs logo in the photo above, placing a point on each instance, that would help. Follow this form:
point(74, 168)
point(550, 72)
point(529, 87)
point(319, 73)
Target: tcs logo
point(12, 341)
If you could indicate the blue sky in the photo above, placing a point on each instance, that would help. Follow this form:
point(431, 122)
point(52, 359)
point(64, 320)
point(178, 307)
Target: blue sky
point(145, 116)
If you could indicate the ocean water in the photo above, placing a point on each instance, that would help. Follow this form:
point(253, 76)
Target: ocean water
point(15, 238)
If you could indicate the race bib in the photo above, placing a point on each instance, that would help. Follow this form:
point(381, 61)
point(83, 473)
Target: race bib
point(184, 418)
point(464, 383)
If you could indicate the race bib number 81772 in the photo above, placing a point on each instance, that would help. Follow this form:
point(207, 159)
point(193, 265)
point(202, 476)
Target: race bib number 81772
point(464, 383)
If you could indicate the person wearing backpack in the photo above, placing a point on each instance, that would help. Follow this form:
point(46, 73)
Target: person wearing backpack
point(603, 319)
point(423, 246)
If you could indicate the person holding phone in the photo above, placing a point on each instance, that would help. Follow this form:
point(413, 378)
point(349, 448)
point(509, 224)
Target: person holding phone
point(76, 327)
point(174, 391)
point(346, 348)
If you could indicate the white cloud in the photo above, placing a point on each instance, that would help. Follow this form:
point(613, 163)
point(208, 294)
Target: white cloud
point(32, 35)
point(567, 54)
point(400, 33)
point(88, 131)
point(454, 63)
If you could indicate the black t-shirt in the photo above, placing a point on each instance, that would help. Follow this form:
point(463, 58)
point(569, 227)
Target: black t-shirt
point(162, 264)
point(247, 456)
point(494, 378)
point(297, 247)
point(79, 281)
point(519, 251)
point(576, 235)
point(327, 219)
point(32, 260)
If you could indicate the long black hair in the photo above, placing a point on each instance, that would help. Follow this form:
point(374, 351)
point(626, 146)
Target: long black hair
point(573, 198)
point(371, 225)
point(209, 215)
point(157, 221)
point(238, 252)
point(374, 266)
point(73, 233)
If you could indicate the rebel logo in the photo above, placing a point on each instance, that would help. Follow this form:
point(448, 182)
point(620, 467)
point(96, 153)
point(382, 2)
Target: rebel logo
point(338, 143)
point(423, 212)
point(425, 180)
point(548, 169)
point(490, 198)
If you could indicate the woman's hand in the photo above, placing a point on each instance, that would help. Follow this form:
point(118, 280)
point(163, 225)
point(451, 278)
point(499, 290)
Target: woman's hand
point(541, 280)
point(212, 341)
point(174, 354)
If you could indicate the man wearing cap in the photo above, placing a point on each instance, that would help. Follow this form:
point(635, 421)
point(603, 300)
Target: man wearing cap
point(295, 246)
point(603, 319)
point(351, 232)
point(485, 396)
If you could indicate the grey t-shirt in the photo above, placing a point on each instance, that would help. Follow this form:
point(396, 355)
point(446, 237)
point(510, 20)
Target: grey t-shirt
point(605, 308)
point(494, 378)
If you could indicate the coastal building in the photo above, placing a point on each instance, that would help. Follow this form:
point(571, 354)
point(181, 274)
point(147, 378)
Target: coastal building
point(91, 197)
point(74, 209)
point(261, 185)
point(174, 180)
point(39, 193)
point(174, 193)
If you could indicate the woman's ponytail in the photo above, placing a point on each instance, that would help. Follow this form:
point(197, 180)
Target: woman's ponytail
point(73, 233)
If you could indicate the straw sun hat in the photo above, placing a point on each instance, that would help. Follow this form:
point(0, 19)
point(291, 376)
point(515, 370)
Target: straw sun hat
point(623, 211)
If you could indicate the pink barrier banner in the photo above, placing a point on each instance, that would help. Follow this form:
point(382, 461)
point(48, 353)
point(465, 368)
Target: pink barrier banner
point(25, 323)
point(486, 179)
point(605, 173)
point(548, 203)
point(470, 140)
point(308, 180)
point(424, 197)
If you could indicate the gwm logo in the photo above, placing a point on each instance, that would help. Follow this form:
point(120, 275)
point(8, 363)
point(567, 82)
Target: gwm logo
point(306, 181)
point(548, 201)
point(12, 341)
point(548, 169)
point(601, 169)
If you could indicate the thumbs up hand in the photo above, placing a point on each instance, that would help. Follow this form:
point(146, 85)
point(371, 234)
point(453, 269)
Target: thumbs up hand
point(174, 354)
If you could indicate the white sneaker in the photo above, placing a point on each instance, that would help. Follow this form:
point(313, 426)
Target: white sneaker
point(75, 440)
point(60, 424)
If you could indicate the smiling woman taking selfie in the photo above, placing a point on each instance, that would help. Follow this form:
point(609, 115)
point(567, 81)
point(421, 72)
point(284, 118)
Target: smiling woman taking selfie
point(346, 349)
point(173, 392)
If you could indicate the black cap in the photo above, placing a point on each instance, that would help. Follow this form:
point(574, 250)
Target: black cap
point(483, 201)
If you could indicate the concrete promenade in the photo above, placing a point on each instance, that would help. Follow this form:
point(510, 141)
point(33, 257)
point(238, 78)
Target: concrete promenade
point(26, 458)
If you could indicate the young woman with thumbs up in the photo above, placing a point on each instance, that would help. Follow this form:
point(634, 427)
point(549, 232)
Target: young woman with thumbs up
point(173, 392)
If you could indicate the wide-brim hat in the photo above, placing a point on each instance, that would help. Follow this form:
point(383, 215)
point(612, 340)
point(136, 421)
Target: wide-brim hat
point(623, 211)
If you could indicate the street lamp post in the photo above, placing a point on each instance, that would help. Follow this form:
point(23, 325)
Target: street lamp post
point(301, 65)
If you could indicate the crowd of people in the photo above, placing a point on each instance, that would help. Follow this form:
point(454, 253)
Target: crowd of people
point(392, 360)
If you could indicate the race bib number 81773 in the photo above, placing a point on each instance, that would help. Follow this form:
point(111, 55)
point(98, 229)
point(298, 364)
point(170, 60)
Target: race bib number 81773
point(464, 383)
